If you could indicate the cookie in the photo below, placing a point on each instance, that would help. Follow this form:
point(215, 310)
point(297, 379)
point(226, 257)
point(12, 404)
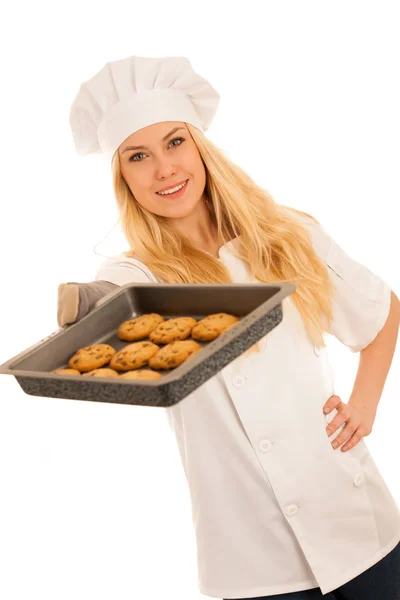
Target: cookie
point(101, 373)
point(67, 371)
point(139, 327)
point(212, 326)
point(91, 357)
point(174, 354)
point(141, 374)
point(172, 330)
point(133, 356)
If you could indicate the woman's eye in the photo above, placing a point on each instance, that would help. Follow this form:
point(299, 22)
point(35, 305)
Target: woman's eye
point(140, 153)
point(133, 156)
point(178, 138)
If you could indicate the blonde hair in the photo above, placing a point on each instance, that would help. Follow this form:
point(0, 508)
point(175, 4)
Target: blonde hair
point(275, 246)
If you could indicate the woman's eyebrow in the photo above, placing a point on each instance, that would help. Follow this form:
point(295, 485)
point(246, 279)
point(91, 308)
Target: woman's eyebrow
point(145, 147)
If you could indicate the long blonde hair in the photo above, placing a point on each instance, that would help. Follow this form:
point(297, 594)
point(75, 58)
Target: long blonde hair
point(275, 246)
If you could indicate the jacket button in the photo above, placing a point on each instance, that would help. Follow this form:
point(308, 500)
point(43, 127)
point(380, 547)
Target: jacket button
point(238, 381)
point(291, 510)
point(265, 445)
point(358, 480)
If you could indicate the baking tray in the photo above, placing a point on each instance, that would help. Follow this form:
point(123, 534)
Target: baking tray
point(257, 305)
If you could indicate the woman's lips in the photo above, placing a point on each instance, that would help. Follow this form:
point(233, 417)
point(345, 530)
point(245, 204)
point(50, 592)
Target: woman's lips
point(176, 194)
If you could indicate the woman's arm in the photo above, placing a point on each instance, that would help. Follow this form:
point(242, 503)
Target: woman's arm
point(375, 362)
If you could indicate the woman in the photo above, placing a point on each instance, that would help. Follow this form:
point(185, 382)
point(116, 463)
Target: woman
point(278, 512)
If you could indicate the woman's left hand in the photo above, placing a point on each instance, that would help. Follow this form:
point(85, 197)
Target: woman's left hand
point(359, 422)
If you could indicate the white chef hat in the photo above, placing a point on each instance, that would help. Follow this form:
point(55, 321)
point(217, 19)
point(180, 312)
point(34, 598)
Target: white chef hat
point(131, 93)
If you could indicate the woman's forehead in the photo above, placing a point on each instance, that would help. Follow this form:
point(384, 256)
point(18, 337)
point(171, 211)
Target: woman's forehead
point(154, 132)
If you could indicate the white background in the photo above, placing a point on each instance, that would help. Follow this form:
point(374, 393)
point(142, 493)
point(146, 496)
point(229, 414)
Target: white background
point(94, 501)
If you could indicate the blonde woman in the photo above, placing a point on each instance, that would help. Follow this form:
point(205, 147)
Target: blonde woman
point(278, 511)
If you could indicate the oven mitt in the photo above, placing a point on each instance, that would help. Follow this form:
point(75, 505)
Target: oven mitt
point(75, 300)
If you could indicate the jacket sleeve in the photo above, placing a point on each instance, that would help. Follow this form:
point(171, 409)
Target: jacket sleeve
point(361, 301)
point(122, 270)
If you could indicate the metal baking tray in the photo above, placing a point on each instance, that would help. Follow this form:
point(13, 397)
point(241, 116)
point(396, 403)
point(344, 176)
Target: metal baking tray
point(258, 307)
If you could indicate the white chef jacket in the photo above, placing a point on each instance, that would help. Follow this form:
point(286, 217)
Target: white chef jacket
point(275, 508)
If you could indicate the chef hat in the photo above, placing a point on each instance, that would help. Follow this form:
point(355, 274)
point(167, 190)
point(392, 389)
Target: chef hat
point(131, 93)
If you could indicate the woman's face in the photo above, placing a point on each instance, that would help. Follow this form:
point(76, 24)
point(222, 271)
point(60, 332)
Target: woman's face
point(164, 155)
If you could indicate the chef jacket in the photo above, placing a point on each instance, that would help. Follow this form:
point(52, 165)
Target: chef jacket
point(275, 508)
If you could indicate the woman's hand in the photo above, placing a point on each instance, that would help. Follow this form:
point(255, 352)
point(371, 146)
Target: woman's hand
point(359, 422)
point(76, 300)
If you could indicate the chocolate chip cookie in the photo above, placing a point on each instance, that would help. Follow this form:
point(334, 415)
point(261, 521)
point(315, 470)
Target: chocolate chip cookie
point(66, 371)
point(91, 357)
point(212, 326)
point(101, 373)
point(173, 329)
point(174, 354)
point(133, 356)
point(141, 374)
point(139, 327)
